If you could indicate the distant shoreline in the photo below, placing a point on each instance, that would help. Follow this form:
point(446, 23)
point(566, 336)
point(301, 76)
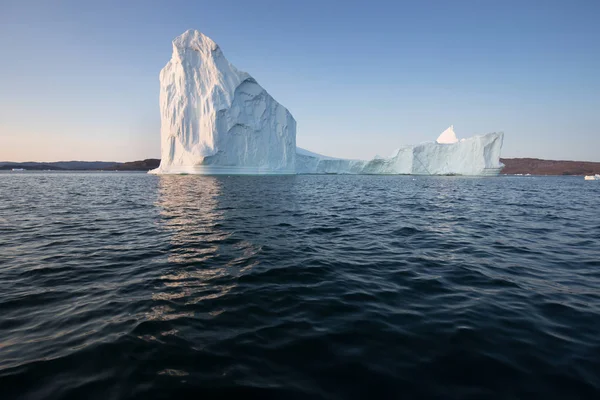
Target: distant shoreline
point(514, 166)
point(536, 166)
point(142, 165)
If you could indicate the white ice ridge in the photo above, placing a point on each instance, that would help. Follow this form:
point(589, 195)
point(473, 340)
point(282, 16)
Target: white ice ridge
point(477, 155)
point(216, 119)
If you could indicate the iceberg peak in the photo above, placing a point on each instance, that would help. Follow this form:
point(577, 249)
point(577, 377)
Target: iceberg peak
point(448, 136)
point(195, 40)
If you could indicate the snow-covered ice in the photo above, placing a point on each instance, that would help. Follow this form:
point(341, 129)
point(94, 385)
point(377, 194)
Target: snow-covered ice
point(216, 119)
point(478, 155)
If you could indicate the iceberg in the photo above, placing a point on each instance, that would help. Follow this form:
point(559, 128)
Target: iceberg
point(216, 119)
point(477, 156)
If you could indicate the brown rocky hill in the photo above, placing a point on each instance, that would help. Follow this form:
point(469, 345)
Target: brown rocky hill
point(535, 166)
point(143, 165)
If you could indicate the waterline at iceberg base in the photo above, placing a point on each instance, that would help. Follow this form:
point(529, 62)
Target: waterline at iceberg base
point(218, 120)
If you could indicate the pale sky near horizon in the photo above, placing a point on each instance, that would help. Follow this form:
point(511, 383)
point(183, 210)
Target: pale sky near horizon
point(79, 79)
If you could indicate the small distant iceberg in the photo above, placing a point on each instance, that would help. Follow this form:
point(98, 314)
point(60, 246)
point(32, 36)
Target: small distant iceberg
point(216, 119)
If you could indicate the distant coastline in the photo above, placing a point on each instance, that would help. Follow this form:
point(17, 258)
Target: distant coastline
point(514, 166)
point(142, 165)
point(536, 166)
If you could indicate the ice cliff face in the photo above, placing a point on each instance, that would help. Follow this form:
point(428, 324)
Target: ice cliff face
point(478, 155)
point(216, 119)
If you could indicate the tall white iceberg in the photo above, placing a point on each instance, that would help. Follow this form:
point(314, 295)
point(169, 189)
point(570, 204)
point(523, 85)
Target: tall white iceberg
point(216, 119)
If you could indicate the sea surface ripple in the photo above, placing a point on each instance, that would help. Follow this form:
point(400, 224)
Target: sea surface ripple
point(125, 285)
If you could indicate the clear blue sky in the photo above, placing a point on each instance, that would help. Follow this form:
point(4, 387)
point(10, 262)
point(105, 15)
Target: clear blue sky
point(79, 79)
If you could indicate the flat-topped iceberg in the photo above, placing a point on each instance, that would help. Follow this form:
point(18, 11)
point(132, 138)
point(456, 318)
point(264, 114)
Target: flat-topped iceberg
point(216, 119)
point(478, 155)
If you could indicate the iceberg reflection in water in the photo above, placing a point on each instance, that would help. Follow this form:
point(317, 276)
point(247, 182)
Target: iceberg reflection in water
point(201, 250)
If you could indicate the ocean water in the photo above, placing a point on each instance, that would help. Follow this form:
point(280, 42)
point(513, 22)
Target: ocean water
point(125, 285)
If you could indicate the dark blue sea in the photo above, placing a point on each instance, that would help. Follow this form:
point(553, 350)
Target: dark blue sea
point(132, 286)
